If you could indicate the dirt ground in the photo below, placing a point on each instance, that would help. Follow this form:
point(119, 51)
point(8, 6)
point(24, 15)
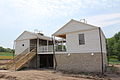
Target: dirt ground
point(52, 75)
point(47, 74)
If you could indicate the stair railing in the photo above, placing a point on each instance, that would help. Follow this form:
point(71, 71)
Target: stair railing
point(25, 59)
point(16, 58)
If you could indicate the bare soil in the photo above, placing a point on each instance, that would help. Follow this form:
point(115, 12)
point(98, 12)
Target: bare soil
point(47, 74)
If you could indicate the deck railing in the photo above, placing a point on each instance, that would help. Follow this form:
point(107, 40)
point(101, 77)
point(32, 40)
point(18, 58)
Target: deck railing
point(50, 49)
point(46, 48)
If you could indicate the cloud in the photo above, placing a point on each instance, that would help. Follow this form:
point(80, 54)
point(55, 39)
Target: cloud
point(58, 7)
point(14, 11)
point(18, 15)
point(105, 19)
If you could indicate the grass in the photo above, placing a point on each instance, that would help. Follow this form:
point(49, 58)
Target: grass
point(114, 61)
point(6, 55)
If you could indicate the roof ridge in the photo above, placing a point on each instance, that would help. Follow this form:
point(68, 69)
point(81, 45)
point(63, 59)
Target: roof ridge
point(84, 23)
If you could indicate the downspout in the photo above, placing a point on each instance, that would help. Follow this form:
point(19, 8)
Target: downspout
point(54, 58)
point(101, 49)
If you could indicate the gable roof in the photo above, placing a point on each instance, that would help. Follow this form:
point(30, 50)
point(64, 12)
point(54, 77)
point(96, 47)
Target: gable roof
point(25, 35)
point(72, 26)
point(31, 35)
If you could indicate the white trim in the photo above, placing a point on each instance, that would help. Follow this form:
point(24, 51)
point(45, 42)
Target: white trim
point(46, 53)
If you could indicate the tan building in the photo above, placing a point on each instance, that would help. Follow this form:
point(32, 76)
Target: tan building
point(78, 47)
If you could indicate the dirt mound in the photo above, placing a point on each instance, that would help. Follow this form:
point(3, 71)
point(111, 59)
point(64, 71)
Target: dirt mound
point(6, 77)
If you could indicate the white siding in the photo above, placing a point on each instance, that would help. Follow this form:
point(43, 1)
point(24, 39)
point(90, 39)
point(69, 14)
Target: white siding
point(19, 48)
point(73, 26)
point(26, 35)
point(92, 43)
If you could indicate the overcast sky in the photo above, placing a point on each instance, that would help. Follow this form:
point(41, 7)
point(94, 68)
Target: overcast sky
point(49, 15)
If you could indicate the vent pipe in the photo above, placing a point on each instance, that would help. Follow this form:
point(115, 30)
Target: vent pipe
point(83, 20)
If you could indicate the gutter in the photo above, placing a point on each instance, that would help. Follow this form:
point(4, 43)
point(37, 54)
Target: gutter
point(101, 49)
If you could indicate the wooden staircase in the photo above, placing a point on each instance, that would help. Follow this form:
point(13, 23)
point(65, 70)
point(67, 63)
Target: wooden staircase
point(20, 60)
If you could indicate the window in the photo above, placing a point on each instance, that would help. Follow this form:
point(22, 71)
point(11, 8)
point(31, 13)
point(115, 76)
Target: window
point(81, 39)
point(23, 45)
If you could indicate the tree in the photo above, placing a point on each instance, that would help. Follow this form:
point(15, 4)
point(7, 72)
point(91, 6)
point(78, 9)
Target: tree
point(6, 49)
point(113, 45)
point(2, 49)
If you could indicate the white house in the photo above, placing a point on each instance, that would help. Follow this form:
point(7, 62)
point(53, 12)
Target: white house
point(29, 41)
point(81, 48)
point(85, 48)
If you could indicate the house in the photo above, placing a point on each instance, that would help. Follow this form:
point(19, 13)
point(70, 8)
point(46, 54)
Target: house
point(43, 54)
point(76, 47)
point(85, 48)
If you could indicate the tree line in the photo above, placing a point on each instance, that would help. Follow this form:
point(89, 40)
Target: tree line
point(6, 49)
point(113, 46)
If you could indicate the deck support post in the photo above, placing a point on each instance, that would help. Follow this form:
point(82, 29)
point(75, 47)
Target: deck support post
point(47, 45)
point(37, 51)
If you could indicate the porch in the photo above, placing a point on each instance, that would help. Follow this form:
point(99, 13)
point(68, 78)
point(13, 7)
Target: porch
point(46, 46)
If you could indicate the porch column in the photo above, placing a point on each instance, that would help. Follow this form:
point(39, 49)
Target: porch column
point(37, 45)
point(54, 42)
point(57, 45)
point(29, 47)
point(47, 45)
point(54, 58)
point(62, 45)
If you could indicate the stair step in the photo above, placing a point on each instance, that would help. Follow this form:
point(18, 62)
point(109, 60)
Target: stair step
point(21, 60)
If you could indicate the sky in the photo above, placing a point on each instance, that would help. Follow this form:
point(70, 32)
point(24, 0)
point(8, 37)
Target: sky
point(48, 16)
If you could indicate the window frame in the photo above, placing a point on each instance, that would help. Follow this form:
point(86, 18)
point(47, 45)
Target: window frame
point(81, 40)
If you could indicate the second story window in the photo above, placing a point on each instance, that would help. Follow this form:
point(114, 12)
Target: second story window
point(81, 39)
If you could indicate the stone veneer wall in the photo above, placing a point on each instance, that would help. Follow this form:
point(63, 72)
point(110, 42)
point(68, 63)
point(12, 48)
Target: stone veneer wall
point(80, 62)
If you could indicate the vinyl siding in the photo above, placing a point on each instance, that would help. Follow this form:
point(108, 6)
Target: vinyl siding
point(19, 48)
point(92, 43)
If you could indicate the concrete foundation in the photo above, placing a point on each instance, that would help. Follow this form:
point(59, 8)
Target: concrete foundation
point(80, 62)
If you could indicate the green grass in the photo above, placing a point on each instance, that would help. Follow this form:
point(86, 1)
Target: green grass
point(114, 61)
point(6, 55)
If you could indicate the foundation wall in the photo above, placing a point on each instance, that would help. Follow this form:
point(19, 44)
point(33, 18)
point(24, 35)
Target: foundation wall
point(80, 62)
